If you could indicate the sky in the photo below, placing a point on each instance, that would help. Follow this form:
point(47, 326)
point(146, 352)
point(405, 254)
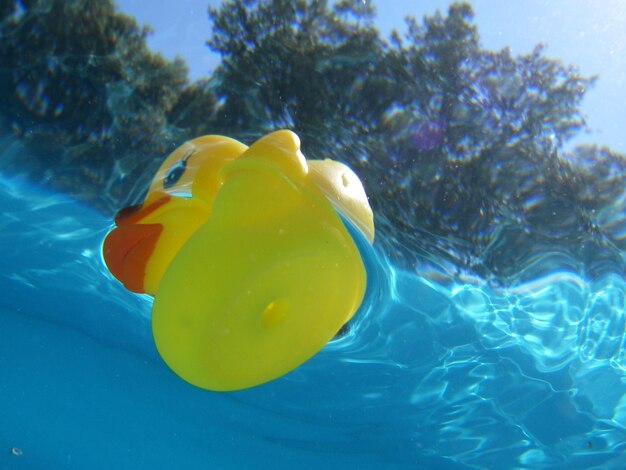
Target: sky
point(590, 34)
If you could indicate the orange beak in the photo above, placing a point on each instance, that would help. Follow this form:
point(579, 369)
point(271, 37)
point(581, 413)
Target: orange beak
point(128, 248)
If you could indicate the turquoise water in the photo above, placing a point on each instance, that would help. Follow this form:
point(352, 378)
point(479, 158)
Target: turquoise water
point(433, 373)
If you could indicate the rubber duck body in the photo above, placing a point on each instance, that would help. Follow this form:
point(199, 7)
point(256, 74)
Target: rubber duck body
point(243, 248)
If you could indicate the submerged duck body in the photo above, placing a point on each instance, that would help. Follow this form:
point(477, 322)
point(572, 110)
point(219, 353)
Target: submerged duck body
point(251, 267)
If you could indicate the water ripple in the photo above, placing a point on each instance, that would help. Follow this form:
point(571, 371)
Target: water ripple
point(433, 372)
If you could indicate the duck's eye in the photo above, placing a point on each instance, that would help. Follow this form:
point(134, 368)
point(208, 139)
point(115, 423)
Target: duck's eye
point(174, 173)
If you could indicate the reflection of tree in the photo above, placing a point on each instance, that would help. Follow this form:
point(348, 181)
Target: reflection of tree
point(460, 148)
point(78, 82)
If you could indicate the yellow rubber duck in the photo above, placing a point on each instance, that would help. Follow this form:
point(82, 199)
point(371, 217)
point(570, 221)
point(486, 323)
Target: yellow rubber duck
point(251, 267)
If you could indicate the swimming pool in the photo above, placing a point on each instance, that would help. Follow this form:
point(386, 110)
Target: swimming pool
point(509, 355)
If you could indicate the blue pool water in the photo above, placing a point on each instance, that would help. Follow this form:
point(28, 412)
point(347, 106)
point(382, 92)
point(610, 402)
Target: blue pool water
point(434, 373)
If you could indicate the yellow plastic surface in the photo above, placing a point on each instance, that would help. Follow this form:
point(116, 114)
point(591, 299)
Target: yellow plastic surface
point(344, 190)
point(254, 271)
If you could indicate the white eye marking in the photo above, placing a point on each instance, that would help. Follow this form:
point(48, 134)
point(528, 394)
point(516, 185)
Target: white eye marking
point(177, 170)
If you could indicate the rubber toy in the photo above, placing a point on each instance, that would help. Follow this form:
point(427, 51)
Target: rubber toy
point(250, 264)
